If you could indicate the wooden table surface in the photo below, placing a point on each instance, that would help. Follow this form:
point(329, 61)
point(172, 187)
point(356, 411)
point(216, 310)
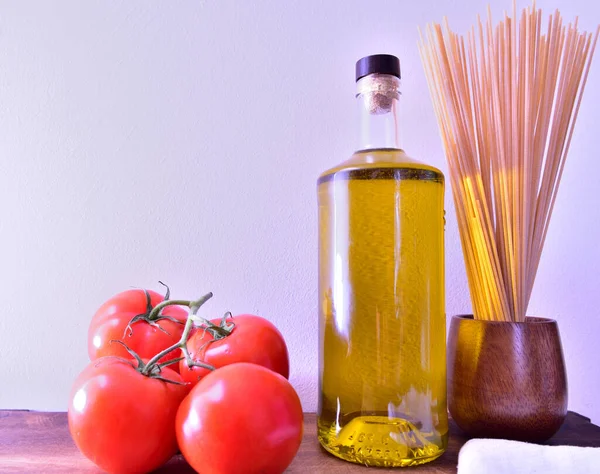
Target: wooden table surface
point(39, 442)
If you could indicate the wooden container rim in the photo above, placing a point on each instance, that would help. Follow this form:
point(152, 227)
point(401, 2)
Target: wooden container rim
point(528, 320)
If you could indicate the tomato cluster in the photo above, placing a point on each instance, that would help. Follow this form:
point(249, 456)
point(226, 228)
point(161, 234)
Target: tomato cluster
point(163, 379)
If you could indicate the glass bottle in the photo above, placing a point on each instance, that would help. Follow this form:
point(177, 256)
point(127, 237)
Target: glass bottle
point(382, 334)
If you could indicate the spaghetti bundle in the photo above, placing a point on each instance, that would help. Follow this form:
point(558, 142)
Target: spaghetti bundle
point(506, 99)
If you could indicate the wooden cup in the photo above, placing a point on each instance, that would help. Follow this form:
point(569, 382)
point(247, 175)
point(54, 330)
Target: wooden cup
point(506, 380)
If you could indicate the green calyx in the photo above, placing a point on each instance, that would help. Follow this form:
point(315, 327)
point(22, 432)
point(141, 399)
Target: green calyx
point(220, 331)
point(153, 371)
point(153, 315)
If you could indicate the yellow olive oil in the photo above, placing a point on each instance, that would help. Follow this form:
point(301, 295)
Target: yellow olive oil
point(381, 303)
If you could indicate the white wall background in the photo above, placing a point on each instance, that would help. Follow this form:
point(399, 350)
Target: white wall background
point(181, 141)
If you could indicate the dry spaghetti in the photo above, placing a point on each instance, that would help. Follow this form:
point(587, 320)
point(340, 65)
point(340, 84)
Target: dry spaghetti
point(506, 100)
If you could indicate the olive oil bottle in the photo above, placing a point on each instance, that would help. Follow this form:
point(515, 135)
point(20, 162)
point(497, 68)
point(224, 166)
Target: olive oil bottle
point(381, 291)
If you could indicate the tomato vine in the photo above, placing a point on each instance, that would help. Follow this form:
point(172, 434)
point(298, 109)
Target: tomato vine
point(153, 368)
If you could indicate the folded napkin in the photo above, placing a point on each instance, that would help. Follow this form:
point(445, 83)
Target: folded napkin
point(499, 456)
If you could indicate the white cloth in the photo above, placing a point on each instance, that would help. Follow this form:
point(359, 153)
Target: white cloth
point(499, 456)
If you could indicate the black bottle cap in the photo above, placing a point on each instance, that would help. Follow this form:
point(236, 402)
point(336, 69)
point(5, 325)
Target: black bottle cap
point(378, 64)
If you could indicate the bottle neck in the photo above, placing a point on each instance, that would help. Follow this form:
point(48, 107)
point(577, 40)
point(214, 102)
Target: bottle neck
point(378, 97)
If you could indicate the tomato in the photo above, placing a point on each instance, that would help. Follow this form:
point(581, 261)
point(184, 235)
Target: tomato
point(146, 339)
point(253, 339)
point(123, 421)
point(242, 418)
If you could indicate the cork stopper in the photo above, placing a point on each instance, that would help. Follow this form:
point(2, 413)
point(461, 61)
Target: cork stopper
point(378, 82)
point(379, 92)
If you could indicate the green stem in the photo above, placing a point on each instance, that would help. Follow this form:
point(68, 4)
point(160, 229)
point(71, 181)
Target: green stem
point(194, 307)
point(157, 309)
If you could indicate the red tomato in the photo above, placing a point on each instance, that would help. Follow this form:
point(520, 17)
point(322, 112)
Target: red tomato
point(243, 419)
point(111, 320)
point(253, 339)
point(123, 421)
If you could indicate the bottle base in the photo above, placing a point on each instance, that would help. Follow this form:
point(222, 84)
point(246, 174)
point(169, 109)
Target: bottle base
point(381, 442)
